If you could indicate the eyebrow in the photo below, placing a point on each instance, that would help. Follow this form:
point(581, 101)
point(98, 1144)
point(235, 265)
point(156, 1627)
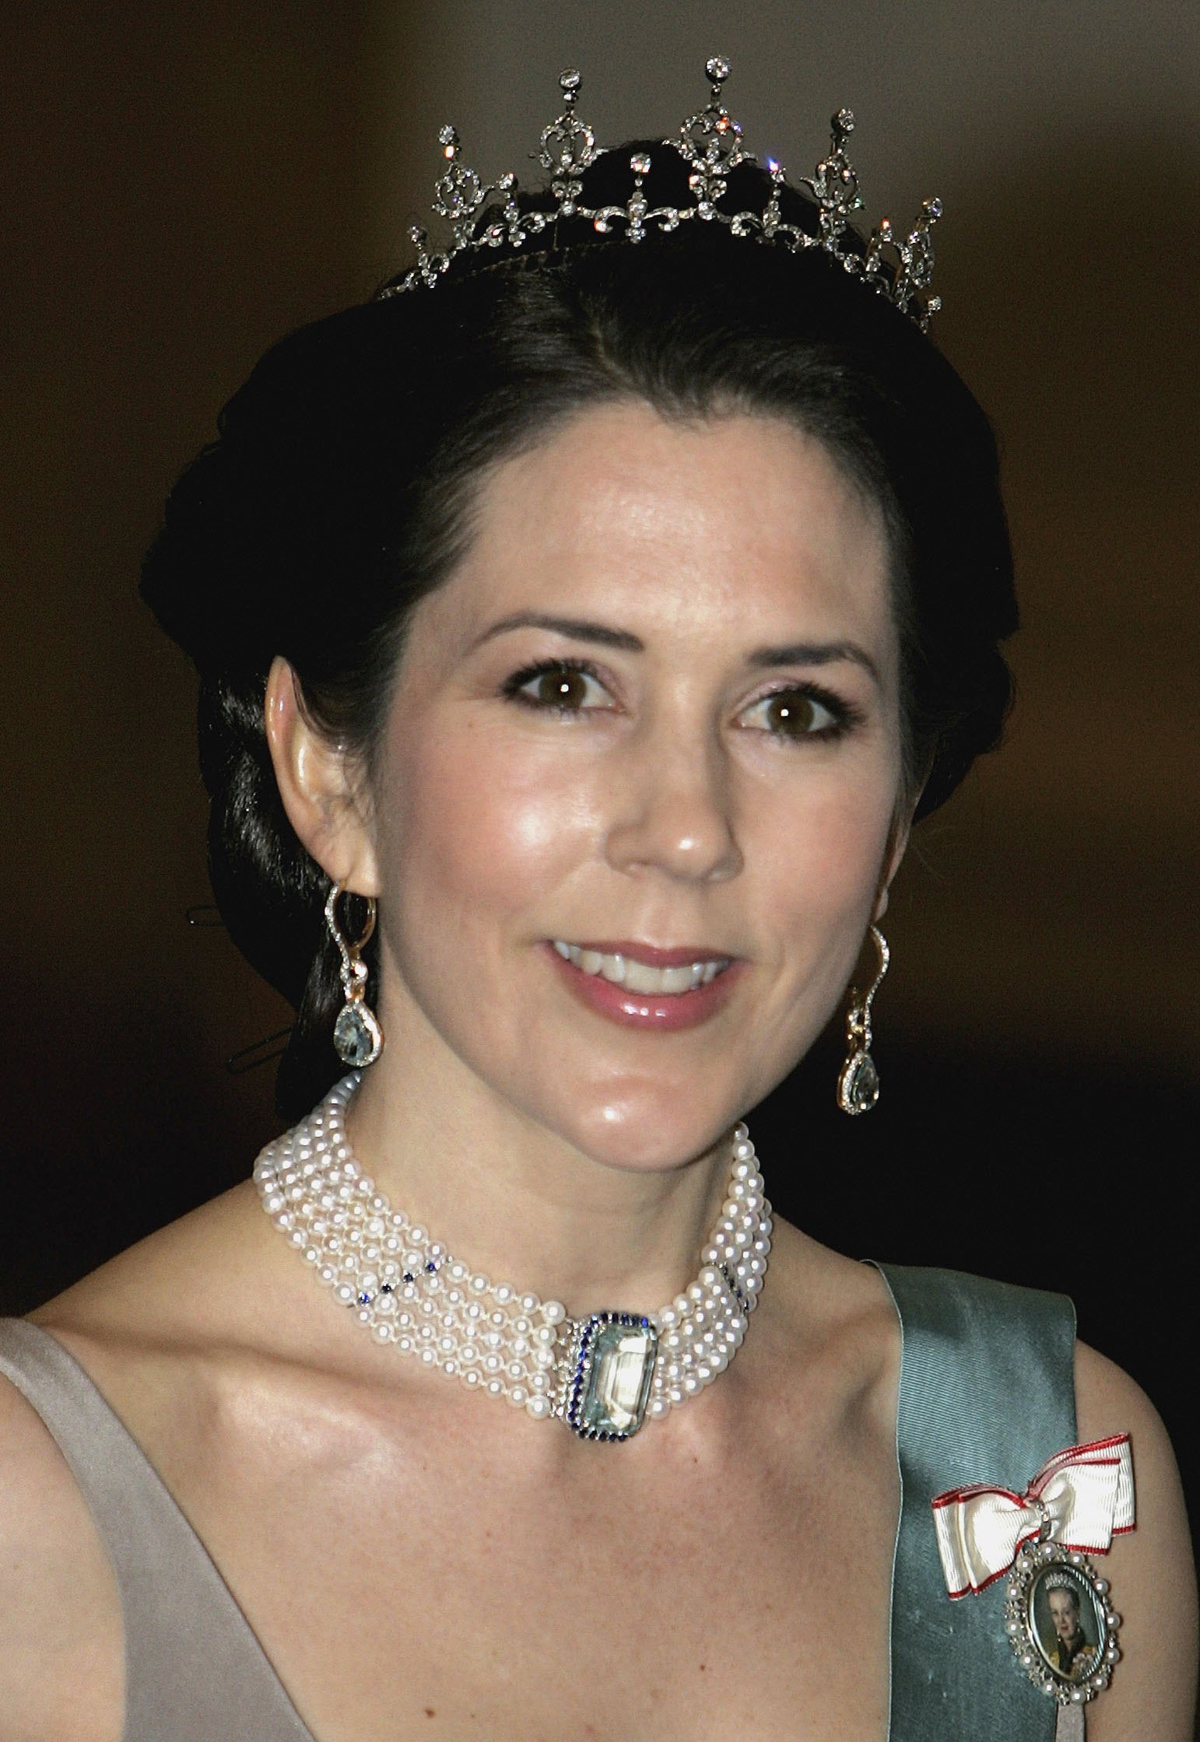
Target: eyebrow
point(577, 628)
point(815, 653)
point(581, 629)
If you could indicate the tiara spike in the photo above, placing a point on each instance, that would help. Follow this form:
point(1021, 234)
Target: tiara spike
point(482, 215)
point(566, 148)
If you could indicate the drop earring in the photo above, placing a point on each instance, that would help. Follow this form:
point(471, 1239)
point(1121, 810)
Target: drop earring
point(357, 1036)
point(858, 1081)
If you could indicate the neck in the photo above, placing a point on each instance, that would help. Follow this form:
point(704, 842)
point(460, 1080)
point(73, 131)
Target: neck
point(518, 1202)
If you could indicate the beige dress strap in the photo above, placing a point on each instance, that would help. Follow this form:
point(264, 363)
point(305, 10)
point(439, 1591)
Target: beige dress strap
point(194, 1670)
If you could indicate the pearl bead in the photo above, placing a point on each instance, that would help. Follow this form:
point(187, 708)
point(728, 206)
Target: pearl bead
point(484, 1333)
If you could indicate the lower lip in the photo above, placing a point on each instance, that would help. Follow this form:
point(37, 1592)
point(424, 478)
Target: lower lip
point(664, 1012)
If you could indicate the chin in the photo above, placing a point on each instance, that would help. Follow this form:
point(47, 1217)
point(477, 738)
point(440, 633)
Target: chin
point(646, 1130)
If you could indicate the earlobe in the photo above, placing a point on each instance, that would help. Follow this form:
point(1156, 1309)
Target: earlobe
point(315, 784)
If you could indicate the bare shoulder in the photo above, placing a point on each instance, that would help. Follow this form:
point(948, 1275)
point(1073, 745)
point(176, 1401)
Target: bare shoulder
point(129, 1325)
point(1153, 1578)
point(832, 1327)
point(61, 1672)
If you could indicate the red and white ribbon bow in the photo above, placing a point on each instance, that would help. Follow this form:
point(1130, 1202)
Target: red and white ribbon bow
point(1082, 1498)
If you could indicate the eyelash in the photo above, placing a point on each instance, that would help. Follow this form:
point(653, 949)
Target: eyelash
point(844, 715)
point(549, 667)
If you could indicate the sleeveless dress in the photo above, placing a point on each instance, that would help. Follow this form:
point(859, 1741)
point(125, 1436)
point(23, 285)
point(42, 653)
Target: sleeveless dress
point(986, 1395)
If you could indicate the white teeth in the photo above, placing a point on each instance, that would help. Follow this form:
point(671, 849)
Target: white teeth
point(638, 976)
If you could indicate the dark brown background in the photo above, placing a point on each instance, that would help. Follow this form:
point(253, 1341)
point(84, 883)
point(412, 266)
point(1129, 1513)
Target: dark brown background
point(187, 182)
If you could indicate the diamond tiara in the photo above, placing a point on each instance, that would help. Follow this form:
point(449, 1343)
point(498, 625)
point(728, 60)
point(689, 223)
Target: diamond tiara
point(489, 215)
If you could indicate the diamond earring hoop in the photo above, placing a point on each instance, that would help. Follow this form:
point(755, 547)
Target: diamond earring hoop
point(858, 1080)
point(357, 1036)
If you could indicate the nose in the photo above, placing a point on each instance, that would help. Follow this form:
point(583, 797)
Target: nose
point(671, 812)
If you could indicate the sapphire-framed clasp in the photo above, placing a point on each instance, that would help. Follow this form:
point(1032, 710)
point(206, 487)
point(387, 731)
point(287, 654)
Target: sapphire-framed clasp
point(612, 1366)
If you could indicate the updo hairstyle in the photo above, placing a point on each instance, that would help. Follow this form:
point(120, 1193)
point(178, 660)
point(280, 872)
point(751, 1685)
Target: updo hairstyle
point(338, 495)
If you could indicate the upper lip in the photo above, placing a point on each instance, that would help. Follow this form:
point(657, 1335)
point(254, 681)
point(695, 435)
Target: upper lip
point(652, 955)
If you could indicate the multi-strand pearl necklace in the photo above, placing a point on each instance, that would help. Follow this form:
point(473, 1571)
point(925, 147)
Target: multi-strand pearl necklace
point(602, 1374)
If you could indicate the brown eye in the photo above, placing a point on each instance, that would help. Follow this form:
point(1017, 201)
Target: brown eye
point(795, 714)
point(790, 714)
point(560, 689)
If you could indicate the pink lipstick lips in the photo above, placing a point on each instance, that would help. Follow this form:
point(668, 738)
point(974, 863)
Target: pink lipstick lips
point(641, 986)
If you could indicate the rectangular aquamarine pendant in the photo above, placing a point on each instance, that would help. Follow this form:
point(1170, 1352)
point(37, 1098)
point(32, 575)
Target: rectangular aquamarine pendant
point(612, 1365)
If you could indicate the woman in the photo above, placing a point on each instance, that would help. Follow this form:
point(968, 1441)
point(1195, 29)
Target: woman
point(600, 617)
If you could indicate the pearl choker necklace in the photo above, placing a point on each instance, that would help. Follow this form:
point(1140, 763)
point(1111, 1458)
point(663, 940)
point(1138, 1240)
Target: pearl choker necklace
point(602, 1375)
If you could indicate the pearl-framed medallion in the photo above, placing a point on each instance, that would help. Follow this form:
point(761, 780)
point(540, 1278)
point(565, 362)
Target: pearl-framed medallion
point(1061, 1623)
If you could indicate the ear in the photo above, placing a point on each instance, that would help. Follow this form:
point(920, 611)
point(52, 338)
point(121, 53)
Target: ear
point(896, 845)
point(324, 804)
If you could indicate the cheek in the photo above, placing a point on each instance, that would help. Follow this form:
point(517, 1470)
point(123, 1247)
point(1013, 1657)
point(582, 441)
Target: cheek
point(469, 832)
point(826, 855)
point(823, 860)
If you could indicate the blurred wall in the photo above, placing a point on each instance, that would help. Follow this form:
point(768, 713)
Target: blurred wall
point(186, 183)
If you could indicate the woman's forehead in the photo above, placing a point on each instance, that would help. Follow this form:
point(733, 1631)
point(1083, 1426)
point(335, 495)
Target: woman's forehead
point(663, 519)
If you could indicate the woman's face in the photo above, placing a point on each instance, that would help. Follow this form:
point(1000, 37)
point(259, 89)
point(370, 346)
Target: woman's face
point(645, 736)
